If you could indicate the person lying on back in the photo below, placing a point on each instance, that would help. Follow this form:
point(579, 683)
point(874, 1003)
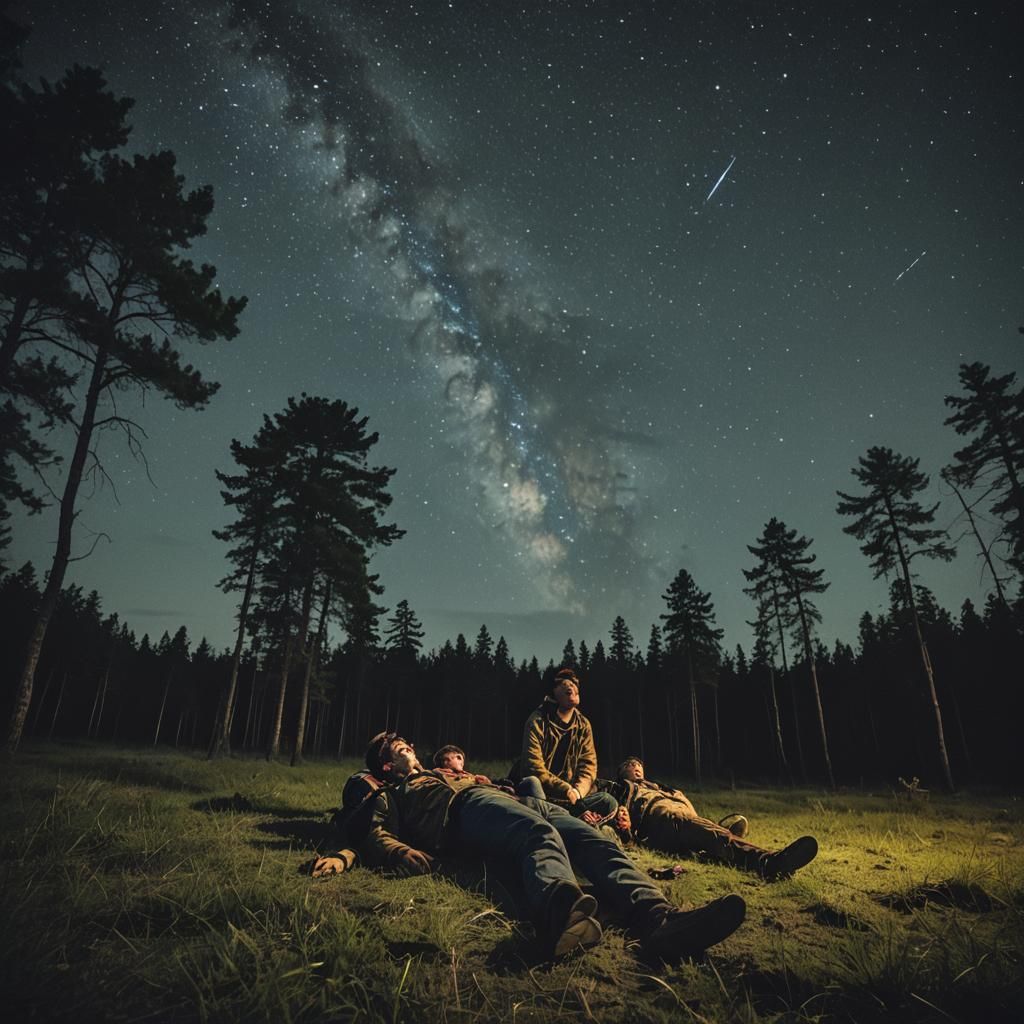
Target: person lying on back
point(664, 818)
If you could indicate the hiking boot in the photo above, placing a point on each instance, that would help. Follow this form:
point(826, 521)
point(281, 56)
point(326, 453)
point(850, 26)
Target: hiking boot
point(790, 858)
point(736, 824)
point(571, 922)
point(687, 933)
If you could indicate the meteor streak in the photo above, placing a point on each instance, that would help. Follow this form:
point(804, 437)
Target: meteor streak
point(721, 179)
point(911, 267)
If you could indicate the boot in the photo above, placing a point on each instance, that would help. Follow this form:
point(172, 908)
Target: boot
point(570, 922)
point(790, 858)
point(688, 933)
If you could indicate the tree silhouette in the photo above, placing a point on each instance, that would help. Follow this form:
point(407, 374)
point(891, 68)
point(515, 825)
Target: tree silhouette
point(690, 635)
point(993, 412)
point(783, 563)
point(131, 284)
point(254, 494)
point(894, 529)
point(53, 136)
point(329, 513)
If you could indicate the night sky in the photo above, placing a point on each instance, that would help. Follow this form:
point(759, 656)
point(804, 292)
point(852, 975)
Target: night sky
point(615, 282)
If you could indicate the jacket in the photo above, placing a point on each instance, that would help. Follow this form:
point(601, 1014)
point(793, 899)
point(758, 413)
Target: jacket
point(414, 814)
point(541, 735)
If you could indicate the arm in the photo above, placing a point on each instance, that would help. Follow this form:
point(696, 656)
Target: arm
point(586, 768)
point(385, 848)
point(532, 762)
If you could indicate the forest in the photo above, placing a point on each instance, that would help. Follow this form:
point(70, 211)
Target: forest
point(98, 298)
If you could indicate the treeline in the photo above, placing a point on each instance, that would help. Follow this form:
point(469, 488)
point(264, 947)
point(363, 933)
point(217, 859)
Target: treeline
point(755, 721)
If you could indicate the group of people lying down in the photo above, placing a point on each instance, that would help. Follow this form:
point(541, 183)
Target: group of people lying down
point(553, 818)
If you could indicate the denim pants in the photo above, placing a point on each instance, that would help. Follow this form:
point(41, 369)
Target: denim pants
point(542, 838)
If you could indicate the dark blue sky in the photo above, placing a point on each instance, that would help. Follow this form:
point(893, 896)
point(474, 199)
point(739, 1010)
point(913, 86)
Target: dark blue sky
point(488, 226)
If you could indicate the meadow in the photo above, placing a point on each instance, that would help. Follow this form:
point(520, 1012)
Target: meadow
point(157, 886)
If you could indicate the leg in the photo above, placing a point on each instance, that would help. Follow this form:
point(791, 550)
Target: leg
point(530, 785)
point(663, 929)
point(603, 803)
point(665, 827)
point(500, 827)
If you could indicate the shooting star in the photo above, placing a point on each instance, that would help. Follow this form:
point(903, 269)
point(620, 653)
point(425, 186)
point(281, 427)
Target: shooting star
point(911, 267)
point(721, 179)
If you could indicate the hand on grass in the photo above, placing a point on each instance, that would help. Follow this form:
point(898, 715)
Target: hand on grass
point(415, 862)
point(324, 866)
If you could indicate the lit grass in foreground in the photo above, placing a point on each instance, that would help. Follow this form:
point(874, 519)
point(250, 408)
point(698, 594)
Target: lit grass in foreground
point(142, 886)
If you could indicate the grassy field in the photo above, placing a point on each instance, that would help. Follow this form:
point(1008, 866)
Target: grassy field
point(156, 886)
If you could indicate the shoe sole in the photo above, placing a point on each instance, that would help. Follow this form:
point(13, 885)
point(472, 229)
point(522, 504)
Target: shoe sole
point(581, 930)
point(703, 928)
point(797, 855)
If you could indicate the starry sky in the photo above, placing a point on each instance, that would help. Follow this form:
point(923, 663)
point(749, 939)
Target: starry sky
point(615, 283)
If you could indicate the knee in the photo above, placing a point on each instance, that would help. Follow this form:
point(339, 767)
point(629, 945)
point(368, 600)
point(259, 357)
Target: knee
point(603, 803)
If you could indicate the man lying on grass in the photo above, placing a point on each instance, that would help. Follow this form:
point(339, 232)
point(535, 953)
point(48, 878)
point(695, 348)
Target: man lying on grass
point(422, 813)
point(664, 818)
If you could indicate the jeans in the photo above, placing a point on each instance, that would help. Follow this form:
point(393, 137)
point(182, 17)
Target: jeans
point(541, 838)
point(603, 803)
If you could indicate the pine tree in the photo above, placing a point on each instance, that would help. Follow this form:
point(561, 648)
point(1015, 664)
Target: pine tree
point(993, 412)
point(404, 633)
point(784, 565)
point(131, 283)
point(894, 529)
point(690, 634)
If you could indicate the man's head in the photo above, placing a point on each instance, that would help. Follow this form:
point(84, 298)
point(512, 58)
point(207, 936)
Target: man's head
point(565, 689)
point(632, 769)
point(390, 757)
point(450, 756)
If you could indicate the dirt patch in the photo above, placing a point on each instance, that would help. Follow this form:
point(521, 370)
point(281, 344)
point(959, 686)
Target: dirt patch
point(963, 896)
point(833, 917)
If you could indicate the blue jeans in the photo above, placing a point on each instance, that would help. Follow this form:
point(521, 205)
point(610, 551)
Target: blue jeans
point(603, 803)
point(541, 838)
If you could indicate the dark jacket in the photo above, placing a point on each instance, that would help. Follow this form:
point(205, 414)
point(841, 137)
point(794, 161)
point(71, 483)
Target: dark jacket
point(415, 812)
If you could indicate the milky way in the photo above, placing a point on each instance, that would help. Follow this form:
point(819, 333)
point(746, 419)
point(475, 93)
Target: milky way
point(549, 470)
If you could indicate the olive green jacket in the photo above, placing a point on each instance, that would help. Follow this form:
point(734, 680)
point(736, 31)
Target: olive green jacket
point(541, 734)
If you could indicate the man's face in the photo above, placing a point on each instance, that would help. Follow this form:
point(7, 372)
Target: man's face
point(567, 694)
point(456, 762)
point(403, 758)
point(633, 771)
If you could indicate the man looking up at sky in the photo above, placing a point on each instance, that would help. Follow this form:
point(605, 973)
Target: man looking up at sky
point(558, 747)
point(422, 813)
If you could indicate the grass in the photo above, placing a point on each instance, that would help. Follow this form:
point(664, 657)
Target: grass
point(142, 886)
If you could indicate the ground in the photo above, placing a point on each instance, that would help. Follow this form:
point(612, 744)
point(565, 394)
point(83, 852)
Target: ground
point(141, 885)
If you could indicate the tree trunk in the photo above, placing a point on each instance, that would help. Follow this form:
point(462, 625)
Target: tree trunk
point(274, 746)
point(221, 740)
point(805, 632)
point(56, 710)
point(163, 704)
point(785, 671)
point(61, 556)
point(777, 724)
point(926, 661)
point(969, 512)
point(694, 722)
point(42, 698)
point(311, 659)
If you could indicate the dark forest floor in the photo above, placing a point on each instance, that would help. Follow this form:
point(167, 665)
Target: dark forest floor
point(157, 886)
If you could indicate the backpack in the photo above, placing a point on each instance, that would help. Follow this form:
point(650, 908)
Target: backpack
point(352, 818)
